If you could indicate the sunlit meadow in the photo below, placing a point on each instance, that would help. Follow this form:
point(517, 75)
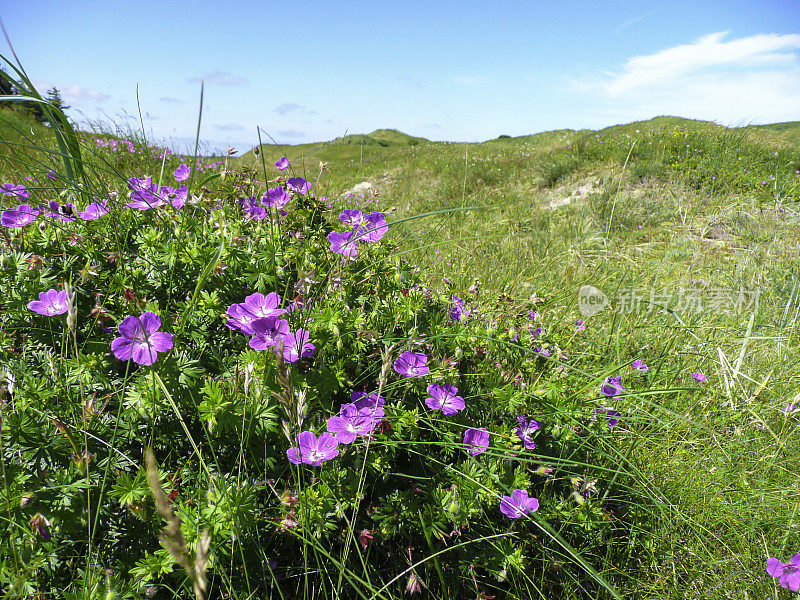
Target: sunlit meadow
point(556, 366)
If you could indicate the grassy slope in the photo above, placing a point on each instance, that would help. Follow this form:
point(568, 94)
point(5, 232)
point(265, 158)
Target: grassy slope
point(722, 458)
point(719, 461)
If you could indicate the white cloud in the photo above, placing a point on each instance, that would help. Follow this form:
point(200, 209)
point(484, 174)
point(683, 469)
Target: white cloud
point(72, 95)
point(291, 107)
point(229, 127)
point(292, 134)
point(709, 52)
point(751, 79)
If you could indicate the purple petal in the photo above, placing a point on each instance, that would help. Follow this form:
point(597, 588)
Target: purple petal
point(161, 341)
point(774, 567)
point(150, 322)
point(143, 354)
point(122, 348)
point(182, 173)
point(129, 327)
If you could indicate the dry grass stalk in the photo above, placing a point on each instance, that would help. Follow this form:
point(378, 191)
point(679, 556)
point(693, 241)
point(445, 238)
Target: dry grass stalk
point(172, 538)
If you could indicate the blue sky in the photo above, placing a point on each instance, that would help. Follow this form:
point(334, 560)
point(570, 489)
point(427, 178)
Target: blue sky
point(460, 70)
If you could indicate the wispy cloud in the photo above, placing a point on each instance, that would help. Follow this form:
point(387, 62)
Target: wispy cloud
point(169, 100)
point(73, 95)
point(755, 78)
point(229, 127)
point(220, 78)
point(632, 21)
point(291, 134)
point(292, 108)
point(709, 52)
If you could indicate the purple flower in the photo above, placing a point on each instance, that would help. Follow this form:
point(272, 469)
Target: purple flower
point(699, 377)
point(268, 332)
point(639, 366)
point(536, 332)
point(41, 524)
point(240, 318)
point(353, 422)
point(144, 193)
point(296, 345)
point(93, 211)
point(457, 311)
point(176, 197)
point(363, 400)
point(255, 306)
point(64, 213)
point(263, 306)
point(181, 173)
point(343, 243)
point(351, 217)
point(373, 228)
point(253, 209)
point(411, 364)
point(443, 397)
point(50, 303)
point(476, 440)
point(275, 197)
point(610, 413)
point(788, 575)
point(518, 504)
point(313, 451)
point(526, 430)
point(612, 386)
point(789, 408)
point(16, 191)
point(141, 341)
point(297, 184)
point(580, 325)
point(20, 216)
point(543, 351)
point(282, 163)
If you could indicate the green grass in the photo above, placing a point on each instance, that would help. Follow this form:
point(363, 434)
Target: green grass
point(667, 205)
point(722, 459)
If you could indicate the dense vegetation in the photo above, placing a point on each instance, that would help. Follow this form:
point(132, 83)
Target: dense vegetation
point(254, 382)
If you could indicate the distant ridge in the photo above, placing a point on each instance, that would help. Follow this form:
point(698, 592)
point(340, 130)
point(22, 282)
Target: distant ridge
point(363, 146)
point(382, 137)
point(349, 147)
point(788, 131)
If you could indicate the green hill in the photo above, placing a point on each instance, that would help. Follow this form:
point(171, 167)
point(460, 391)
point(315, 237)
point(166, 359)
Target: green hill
point(393, 136)
point(348, 149)
point(788, 132)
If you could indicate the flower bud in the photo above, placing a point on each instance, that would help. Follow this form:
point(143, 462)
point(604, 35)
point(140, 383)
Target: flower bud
point(72, 310)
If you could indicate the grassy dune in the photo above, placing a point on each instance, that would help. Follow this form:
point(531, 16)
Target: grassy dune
point(690, 230)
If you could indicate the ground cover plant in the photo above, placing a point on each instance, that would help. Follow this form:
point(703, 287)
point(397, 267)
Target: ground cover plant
point(240, 378)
